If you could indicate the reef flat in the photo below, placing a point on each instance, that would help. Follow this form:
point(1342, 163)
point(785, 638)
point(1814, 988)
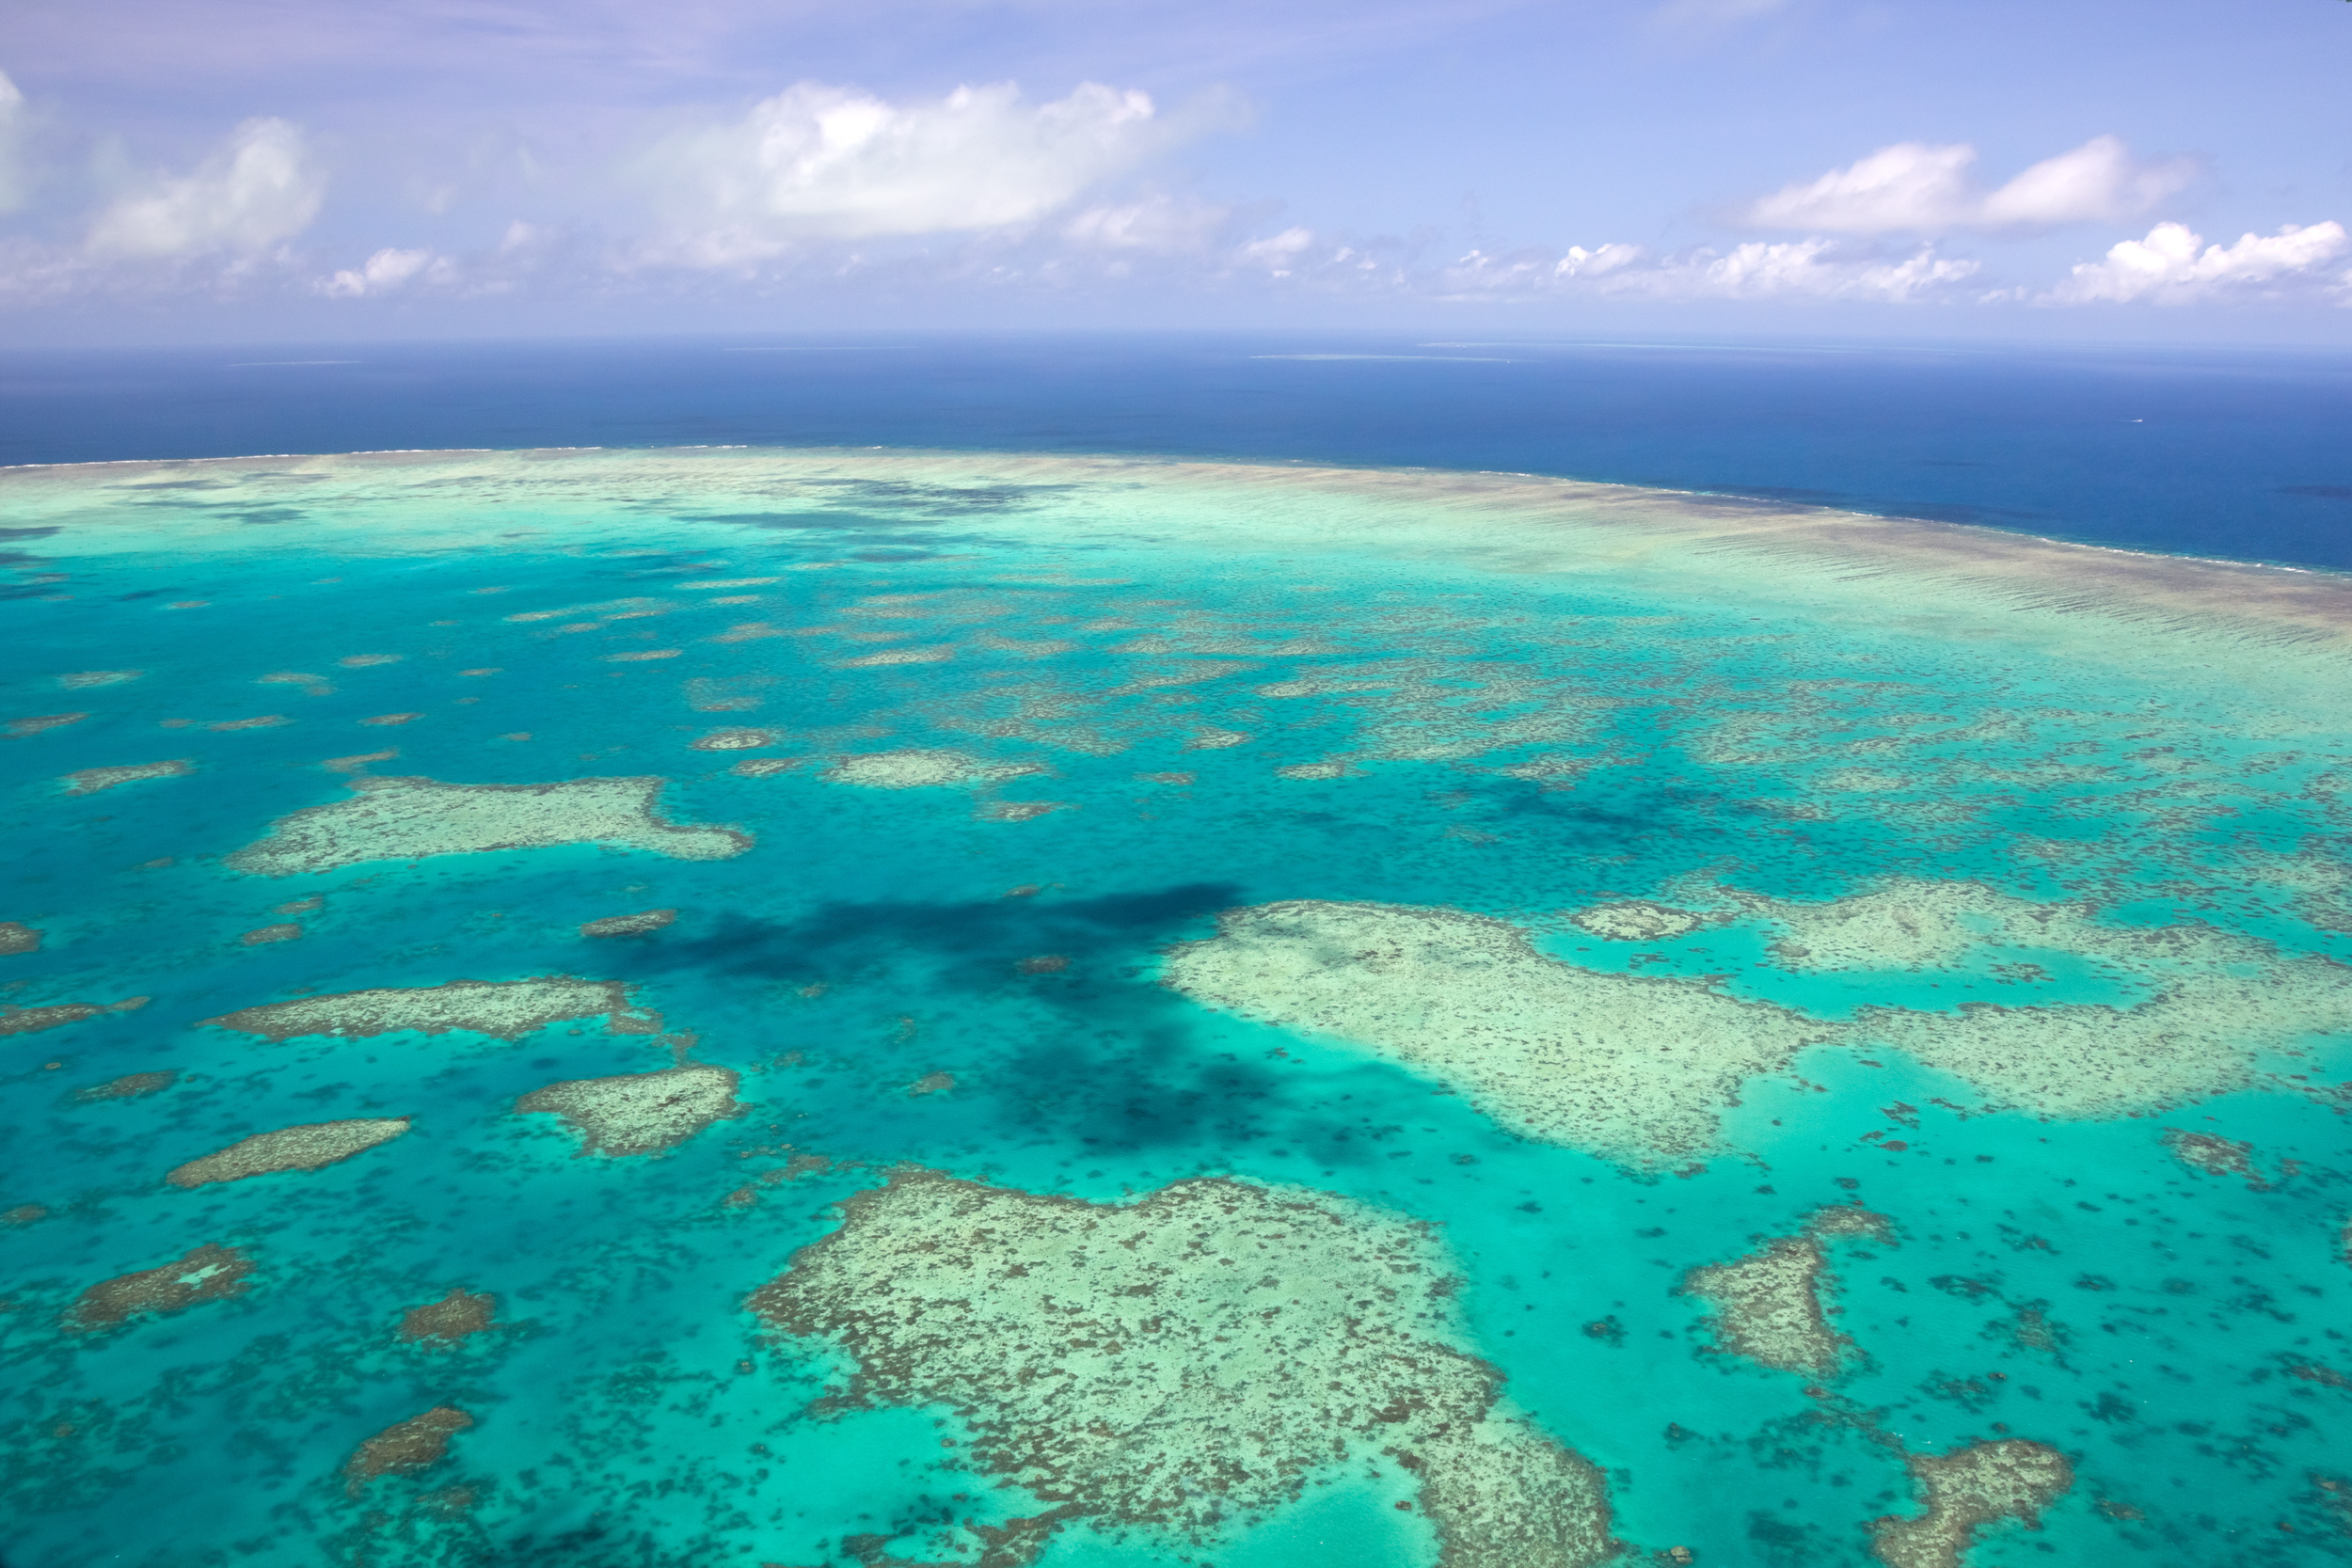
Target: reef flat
point(1967, 1492)
point(1192, 1356)
point(640, 1112)
point(1773, 1306)
point(313, 1147)
point(507, 1009)
point(410, 818)
point(1636, 1068)
point(210, 1272)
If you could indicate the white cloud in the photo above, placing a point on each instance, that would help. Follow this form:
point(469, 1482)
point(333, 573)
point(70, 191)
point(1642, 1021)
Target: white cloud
point(13, 125)
point(386, 271)
point(1914, 187)
point(1809, 269)
point(1280, 255)
point(822, 161)
point(1159, 223)
point(2173, 265)
point(259, 187)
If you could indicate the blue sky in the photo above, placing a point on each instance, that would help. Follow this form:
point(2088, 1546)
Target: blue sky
point(426, 167)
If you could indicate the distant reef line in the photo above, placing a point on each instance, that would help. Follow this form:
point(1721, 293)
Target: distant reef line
point(1720, 546)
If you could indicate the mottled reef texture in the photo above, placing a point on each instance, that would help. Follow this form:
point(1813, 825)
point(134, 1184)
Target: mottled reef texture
point(640, 1112)
point(452, 1320)
point(416, 1444)
point(2215, 1156)
point(131, 1085)
point(1637, 920)
point(208, 1274)
point(1968, 1491)
point(17, 937)
point(1632, 1067)
point(627, 925)
point(924, 769)
point(1637, 1065)
point(508, 1009)
point(89, 780)
point(33, 1020)
point(409, 818)
point(1188, 1360)
point(309, 1147)
point(1773, 1307)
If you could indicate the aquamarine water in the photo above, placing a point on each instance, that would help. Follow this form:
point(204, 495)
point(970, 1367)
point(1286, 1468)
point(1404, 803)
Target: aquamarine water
point(2005, 883)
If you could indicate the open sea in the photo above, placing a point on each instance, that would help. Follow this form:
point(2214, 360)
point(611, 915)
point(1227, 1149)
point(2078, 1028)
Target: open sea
point(1256, 952)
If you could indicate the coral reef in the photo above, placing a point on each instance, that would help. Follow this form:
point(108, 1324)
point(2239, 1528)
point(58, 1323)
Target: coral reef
point(409, 819)
point(506, 1008)
point(452, 1320)
point(924, 769)
point(1187, 1358)
point(1772, 1307)
point(89, 780)
point(208, 1274)
point(1637, 920)
point(416, 1444)
point(640, 1112)
point(17, 937)
point(131, 1085)
point(1628, 1066)
point(627, 925)
point(312, 1146)
point(2215, 1156)
point(1966, 1490)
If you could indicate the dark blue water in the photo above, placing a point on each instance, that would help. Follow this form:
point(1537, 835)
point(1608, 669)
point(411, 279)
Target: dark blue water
point(2239, 453)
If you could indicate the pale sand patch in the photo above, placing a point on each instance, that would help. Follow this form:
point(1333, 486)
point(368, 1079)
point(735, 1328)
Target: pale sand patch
point(640, 1112)
point(262, 935)
point(765, 768)
point(1318, 771)
point(82, 679)
point(1112, 1357)
point(643, 655)
point(932, 1083)
point(409, 818)
point(389, 718)
point(925, 768)
point(728, 583)
point(1629, 1066)
point(485, 670)
point(753, 631)
point(737, 740)
point(897, 656)
point(359, 763)
point(17, 937)
point(19, 728)
point(362, 661)
point(1967, 1492)
point(267, 721)
point(89, 780)
point(506, 1009)
point(315, 686)
point(1214, 740)
point(1772, 1307)
point(310, 1148)
point(627, 925)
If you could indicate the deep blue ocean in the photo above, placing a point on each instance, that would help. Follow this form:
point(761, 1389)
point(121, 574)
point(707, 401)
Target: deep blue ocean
point(2205, 451)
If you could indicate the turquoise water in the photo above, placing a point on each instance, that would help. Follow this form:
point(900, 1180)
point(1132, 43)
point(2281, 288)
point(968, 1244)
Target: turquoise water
point(1124, 700)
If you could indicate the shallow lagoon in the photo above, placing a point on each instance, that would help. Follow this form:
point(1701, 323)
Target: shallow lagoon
point(1575, 891)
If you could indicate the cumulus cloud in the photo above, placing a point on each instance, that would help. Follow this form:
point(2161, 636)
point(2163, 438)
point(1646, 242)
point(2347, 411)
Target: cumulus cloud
point(1809, 269)
point(259, 187)
point(1914, 187)
point(822, 161)
point(1280, 254)
point(387, 272)
point(2173, 265)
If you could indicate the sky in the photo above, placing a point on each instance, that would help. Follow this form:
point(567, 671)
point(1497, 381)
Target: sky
point(318, 169)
